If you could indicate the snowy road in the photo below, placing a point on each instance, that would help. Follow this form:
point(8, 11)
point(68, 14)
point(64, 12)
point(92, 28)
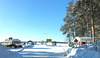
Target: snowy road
point(39, 51)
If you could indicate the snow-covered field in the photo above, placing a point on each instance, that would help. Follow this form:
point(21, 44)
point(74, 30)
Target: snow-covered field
point(33, 51)
point(83, 52)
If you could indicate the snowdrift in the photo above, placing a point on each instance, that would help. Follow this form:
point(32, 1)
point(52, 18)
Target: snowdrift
point(92, 51)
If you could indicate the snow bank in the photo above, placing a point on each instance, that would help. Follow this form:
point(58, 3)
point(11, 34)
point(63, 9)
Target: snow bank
point(82, 52)
point(92, 46)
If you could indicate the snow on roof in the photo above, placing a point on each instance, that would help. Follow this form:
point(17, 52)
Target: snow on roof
point(84, 39)
point(15, 40)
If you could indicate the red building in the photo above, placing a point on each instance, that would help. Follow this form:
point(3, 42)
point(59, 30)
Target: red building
point(83, 40)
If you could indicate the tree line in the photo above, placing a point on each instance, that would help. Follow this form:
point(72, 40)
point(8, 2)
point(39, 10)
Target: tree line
point(82, 19)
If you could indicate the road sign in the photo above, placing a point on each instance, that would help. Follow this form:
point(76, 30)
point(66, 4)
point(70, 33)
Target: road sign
point(49, 40)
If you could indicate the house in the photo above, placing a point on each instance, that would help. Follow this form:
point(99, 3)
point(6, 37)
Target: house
point(82, 40)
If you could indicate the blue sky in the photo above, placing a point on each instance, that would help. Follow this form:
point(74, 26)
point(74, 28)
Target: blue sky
point(32, 19)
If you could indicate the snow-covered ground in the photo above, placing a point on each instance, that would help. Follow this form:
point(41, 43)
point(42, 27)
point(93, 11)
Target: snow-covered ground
point(49, 51)
point(83, 52)
point(4, 51)
point(34, 51)
point(62, 45)
point(40, 51)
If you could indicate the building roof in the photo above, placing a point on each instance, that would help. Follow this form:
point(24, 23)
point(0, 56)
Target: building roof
point(84, 39)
